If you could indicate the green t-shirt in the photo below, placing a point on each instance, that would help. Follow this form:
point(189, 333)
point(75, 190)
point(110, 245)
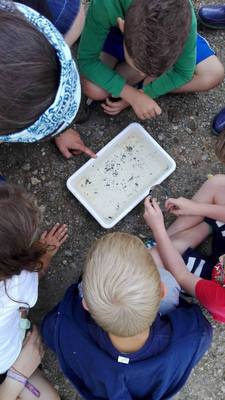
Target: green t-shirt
point(102, 15)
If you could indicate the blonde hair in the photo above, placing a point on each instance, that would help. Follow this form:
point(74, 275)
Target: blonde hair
point(121, 285)
point(220, 147)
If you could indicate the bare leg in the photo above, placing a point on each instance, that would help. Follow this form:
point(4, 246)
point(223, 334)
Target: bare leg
point(208, 74)
point(192, 237)
point(75, 31)
point(92, 90)
point(212, 192)
point(43, 385)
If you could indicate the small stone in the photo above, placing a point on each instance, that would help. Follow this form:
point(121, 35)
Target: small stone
point(43, 154)
point(205, 157)
point(35, 181)
point(26, 167)
point(141, 236)
point(35, 172)
point(68, 253)
point(64, 262)
point(161, 137)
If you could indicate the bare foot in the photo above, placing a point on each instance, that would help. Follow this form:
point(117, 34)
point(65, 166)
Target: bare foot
point(53, 240)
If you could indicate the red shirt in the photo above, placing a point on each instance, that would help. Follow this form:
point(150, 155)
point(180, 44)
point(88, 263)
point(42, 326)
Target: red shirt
point(212, 296)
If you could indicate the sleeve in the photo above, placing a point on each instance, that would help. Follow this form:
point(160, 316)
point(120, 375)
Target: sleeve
point(97, 26)
point(24, 288)
point(171, 299)
point(182, 72)
point(212, 297)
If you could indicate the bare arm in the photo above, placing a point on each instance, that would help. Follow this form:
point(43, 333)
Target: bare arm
point(27, 362)
point(171, 258)
point(182, 206)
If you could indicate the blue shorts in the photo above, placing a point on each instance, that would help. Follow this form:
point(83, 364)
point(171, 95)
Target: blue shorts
point(114, 46)
point(63, 13)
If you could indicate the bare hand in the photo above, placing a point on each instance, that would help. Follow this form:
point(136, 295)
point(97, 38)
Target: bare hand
point(180, 206)
point(31, 354)
point(70, 143)
point(153, 215)
point(144, 107)
point(54, 238)
point(114, 107)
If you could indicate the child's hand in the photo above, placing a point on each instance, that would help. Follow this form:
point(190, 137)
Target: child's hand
point(144, 107)
point(114, 107)
point(54, 238)
point(180, 206)
point(31, 354)
point(70, 143)
point(153, 215)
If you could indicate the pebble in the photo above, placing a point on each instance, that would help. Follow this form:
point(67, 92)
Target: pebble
point(26, 167)
point(205, 157)
point(64, 262)
point(34, 181)
point(161, 137)
point(68, 253)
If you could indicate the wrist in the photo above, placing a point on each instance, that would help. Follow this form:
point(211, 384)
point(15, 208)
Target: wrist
point(129, 93)
point(159, 233)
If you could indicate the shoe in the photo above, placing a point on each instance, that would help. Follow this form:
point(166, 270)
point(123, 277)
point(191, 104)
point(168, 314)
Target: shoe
point(212, 16)
point(218, 124)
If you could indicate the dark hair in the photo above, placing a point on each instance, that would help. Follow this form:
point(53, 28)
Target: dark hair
point(19, 221)
point(155, 33)
point(29, 72)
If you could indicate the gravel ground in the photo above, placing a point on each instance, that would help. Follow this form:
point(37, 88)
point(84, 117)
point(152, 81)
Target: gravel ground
point(183, 130)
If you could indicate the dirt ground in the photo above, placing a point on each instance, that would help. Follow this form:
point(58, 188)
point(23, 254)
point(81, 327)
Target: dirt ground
point(183, 130)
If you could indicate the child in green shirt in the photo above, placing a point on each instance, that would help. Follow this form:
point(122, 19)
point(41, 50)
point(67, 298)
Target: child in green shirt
point(158, 47)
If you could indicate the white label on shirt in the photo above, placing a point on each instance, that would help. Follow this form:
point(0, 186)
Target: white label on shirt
point(123, 360)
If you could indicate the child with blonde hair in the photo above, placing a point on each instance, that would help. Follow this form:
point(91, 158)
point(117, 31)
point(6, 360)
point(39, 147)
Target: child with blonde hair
point(110, 340)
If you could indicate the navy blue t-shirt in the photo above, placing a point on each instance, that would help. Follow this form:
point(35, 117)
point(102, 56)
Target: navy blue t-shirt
point(157, 341)
point(39, 6)
point(157, 371)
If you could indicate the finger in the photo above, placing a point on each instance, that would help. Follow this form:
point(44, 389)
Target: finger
point(66, 152)
point(86, 150)
point(111, 110)
point(110, 103)
point(158, 110)
point(147, 200)
point(61, 231)
point(54, 229)
point(43, 235)
point(155, 204)
point(63, 239)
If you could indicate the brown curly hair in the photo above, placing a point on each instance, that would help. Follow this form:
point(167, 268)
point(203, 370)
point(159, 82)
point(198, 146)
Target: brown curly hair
point(20, 217)
point(155, 33)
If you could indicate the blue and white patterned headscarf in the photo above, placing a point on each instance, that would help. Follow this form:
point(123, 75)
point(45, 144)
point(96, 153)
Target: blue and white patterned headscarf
point(65, 106)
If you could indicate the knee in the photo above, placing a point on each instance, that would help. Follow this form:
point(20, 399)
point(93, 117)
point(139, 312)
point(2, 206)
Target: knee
point(217, 181)
point(93, 91)
point(218, 72)
point(214, 75)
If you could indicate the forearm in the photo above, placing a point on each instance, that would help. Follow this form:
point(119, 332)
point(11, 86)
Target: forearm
point(174, 262)
point(213, 211)
point(10, 389)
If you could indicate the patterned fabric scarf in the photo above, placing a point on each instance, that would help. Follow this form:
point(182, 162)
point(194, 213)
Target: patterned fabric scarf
point(65, 106)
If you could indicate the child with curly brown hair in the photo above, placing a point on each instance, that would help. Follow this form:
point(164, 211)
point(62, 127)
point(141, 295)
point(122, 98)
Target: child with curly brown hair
point(24, 258)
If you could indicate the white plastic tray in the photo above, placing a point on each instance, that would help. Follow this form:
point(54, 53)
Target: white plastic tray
point(111, 185)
